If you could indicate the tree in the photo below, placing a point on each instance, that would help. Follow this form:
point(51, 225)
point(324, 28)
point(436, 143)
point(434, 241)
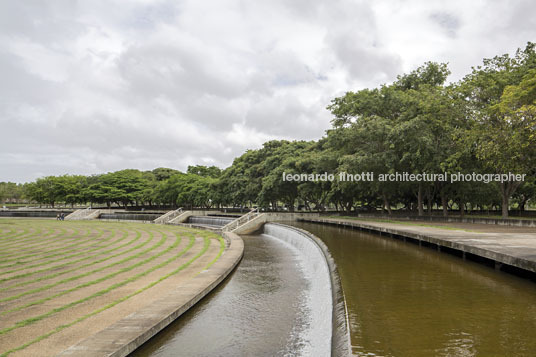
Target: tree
point(204, 171)
point(501, 96)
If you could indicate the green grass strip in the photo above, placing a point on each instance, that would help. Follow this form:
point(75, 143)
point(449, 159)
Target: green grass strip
point(220, 252)
point(76, 277)
point(51, 242)
point(35, 319)
point(25, 230)
point(36, 242)
point(60, 241)
point(77, 246)
point(96, 246)
point(24, 275)
point(112, 304)
point(51, 276)
point(38, 234)
point(14, 232)
point(21, 239)
point(96, 281)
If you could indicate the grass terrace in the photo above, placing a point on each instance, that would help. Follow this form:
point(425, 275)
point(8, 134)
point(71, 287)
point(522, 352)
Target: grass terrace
point(61, 281)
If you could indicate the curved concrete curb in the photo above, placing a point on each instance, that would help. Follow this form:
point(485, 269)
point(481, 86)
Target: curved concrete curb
point(340, 336)
point(124, 336)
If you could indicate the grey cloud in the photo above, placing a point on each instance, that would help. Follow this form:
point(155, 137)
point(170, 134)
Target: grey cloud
point(448, 22)
point(96, 86)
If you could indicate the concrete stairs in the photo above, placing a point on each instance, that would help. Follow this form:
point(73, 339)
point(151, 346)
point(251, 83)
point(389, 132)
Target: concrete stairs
point(183, 217)
point(168, 216)
point(247, 223)
point(83, 214)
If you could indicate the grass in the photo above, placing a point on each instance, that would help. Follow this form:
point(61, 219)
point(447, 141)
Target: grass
point(48, 281)
point(50, 276)
point(55, 267)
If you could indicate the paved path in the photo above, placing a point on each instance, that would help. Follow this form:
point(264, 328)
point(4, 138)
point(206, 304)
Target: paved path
point(516, 247)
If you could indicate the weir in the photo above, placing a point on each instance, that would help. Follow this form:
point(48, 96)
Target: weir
point(285, 298)
point(329, 334)
point(211, 221)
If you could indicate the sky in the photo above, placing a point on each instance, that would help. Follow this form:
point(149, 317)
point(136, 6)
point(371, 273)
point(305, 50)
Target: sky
point(89, 87)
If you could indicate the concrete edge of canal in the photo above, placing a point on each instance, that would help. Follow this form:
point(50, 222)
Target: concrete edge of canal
point(500, 254)
point(124, 336)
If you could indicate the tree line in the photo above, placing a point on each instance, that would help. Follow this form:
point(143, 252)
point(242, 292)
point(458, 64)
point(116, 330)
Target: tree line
point(484, 123)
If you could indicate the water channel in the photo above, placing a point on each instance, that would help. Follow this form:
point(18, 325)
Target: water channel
point(260, 310)
point(406, 300)
point(402, 300)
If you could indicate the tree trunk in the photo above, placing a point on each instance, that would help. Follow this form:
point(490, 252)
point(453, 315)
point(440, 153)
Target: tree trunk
point(505, 201)
point(444, 203)
point(522, 204)
point(462, 209)
point(419, 200)
point(429, 199)
point(387, 205)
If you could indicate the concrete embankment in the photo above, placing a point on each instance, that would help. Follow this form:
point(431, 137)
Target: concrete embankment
point(129, 333)
point(329, 332)
point(514, 252)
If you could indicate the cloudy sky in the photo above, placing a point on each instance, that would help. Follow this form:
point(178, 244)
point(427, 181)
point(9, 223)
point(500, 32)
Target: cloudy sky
point(95, 86)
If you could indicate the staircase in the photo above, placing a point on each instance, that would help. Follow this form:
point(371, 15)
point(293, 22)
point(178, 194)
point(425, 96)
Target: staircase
point(168, 216)
point(181, 218)
point(242, 221)
point(83, 214)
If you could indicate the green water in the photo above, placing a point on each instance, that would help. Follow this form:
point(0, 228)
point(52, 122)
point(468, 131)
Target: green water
point(406, 300)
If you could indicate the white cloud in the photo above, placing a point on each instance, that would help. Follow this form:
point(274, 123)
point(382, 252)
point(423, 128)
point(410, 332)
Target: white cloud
point(96, 86)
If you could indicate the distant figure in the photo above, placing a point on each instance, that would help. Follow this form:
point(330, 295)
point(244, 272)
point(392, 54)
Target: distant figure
point(58, 217)
point(62, 216)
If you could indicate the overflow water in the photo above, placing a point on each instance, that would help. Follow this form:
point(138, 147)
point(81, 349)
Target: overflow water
point(262, 309)
point(125, 216)
point(406, 300)
point(210, 220)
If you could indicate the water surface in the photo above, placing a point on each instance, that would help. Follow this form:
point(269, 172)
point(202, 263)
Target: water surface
point(260, 310)
point(406, 300)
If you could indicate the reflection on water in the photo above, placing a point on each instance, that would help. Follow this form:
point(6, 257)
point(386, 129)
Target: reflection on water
point(260, 310)
point(404, 300)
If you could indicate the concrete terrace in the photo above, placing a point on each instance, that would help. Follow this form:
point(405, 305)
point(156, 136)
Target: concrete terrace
point(68, 284)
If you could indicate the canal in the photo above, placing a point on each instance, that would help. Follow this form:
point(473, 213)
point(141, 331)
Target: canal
point(406, 300)
point(261, 309)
